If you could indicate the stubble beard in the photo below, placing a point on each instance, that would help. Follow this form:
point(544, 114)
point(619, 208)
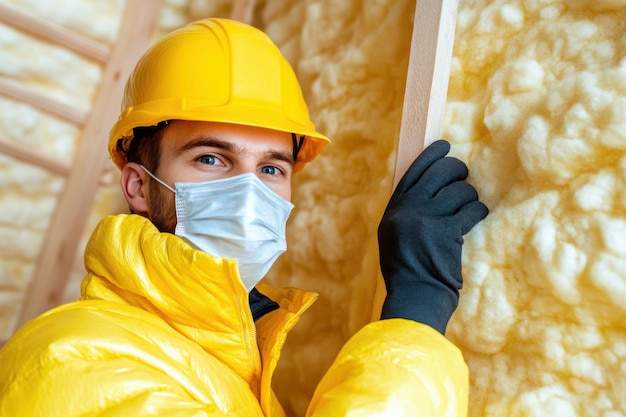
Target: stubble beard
point(162, 204)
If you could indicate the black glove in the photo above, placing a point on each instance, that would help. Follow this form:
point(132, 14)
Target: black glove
point(420, 238)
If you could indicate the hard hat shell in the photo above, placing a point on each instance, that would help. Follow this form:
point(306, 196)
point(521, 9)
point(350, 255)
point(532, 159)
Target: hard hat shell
point(215, 70)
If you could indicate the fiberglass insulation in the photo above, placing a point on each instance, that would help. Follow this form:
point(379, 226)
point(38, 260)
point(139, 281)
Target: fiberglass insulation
point(536, 107)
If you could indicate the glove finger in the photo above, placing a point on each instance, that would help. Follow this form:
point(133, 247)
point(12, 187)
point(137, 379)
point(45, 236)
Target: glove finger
point(453, 197)
point(432, 153)
point(440, 174)
point(470, 214)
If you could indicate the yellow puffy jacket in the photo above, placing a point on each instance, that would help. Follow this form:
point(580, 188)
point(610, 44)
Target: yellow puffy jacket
point(162, 329)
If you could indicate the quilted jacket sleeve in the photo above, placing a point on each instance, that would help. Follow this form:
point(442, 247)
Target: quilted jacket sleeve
point(394, 368)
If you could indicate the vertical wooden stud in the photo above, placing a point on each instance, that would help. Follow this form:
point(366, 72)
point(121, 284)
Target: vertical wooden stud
point(425, 93)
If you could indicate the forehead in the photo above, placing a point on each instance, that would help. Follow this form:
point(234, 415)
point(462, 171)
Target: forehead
point(244, 138)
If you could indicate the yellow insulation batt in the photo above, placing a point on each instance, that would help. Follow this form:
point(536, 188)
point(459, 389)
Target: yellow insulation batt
point(536, 107)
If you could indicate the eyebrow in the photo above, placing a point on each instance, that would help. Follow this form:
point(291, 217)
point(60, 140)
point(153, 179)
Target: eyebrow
point(207, 141)
point(214, 142)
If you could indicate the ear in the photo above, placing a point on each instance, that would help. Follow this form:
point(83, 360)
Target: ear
point(133, 183)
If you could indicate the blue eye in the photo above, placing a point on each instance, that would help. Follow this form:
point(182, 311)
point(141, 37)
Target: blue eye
point(270, 170)
point(208, 159)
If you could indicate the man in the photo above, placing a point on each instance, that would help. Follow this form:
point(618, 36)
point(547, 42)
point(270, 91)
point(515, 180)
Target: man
point(173, 320)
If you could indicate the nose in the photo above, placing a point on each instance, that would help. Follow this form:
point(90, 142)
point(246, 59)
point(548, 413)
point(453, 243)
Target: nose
point(245, 166)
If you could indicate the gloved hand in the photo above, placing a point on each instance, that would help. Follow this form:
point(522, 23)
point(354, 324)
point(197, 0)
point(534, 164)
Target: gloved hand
point(420, 238)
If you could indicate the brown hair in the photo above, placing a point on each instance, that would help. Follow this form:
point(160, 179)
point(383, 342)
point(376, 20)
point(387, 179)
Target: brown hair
point(145, 148)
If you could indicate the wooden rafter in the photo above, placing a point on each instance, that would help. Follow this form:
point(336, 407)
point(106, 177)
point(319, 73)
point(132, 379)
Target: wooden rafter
point(54, 165)
point(18, 92)
point(54, 33)
point(75, 202)
point(27, 154)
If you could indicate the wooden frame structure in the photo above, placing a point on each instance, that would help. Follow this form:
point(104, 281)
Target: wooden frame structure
point(88, 167)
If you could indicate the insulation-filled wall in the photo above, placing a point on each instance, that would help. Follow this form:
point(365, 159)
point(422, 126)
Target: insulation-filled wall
point(536, 107)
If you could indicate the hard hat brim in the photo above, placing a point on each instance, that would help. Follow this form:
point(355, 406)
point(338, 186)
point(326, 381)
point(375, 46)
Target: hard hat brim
point(248, 114)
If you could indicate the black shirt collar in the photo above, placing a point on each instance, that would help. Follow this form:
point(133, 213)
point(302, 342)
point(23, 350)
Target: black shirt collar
point(260, 304)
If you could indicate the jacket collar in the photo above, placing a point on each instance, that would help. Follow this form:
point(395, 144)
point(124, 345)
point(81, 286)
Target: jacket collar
point(129, 261)
point(272, 331)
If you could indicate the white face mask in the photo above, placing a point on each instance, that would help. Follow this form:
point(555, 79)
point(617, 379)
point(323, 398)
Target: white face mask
point(237, 217)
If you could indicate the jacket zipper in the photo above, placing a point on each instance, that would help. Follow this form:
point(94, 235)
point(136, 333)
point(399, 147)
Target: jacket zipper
point(251, 330)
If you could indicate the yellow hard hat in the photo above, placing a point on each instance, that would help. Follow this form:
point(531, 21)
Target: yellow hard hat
point(215, 70)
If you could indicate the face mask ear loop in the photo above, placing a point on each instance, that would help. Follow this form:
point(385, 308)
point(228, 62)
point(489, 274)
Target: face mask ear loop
point(156, 179)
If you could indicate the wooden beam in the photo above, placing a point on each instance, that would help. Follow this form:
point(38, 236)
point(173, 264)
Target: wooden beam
point(75, 202)
point(243, 11)
point(56, 34)
point(425, 93)
point(427, 80)
point(31, 156)
point(18, 92)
